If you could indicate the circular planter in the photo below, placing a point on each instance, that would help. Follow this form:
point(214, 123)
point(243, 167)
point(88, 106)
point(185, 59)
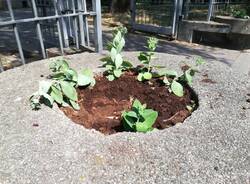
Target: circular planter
point(211, 146)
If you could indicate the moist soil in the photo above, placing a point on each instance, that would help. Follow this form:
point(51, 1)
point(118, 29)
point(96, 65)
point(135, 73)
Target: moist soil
point(101, 107)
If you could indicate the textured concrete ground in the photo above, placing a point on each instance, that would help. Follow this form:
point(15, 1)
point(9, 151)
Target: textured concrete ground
point(212, 146)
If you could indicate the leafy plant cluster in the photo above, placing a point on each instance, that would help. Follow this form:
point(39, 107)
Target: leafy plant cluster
point(176, 82)
point(139, 119)
point(239, 13)
point(62, 86)
point(114, 63)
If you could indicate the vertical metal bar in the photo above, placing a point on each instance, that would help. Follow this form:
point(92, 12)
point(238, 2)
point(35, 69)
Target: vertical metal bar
point(210, 10)
point(75, 25)
point(133, 12)
point(19, 45)
point(175, 17)
point(81, 26)
point(1, 65)
point(38, 27)
point(69, 19)
point(179, 16)
point(98, 25)
point(58, 28)
point(86, 25)
point(187, 9)
point(64, 25)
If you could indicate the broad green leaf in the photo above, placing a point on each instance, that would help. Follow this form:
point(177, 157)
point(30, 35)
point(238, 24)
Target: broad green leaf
point(56, 94)
point(68, 90)
point(128, 123)
point(188, 77)
point(58, 76)
point(109, 67)
point(113, 54)
point(150, 117)
point(64, 65)
point(117, 73)
point(137, 104)
point(44, 87)
point(127, 64)
point(111, 77)
point(177, 89)
point(120, 45)
point(140, 77)
point(71, 74)
point(48, 100)
point(147, 75)
point(75, 105)
point(118, 60)
point(143, 57)
point(87, 72)
point(117, 38)
point(142, 127)
point(83, 80)
point(132, 114)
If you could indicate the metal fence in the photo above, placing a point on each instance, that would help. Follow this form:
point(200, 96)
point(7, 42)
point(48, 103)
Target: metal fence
point(206, 9)
point(58, 20)
point(156, 16)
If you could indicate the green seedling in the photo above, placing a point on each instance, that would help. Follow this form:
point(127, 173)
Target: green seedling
point(139, 119)
point(175, 82)
point(62, 86)
point(114, 63)
point(145, 69)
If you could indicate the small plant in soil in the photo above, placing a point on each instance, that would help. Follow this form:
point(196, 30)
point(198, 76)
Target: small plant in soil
point(139, 119)
point(145, 69)
point(62, 86)
point(115, 64)
point(176, 82)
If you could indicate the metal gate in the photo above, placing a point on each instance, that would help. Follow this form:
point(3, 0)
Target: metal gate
point(60, 21)
point(156, 16)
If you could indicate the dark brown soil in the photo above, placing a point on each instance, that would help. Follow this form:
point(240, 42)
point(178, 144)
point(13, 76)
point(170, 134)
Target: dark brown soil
point(101, 107)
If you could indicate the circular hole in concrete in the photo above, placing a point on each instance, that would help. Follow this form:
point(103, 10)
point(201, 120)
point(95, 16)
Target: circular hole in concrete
point(101, 107)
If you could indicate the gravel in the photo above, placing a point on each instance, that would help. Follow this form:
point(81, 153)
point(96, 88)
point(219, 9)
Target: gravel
point(45, 147)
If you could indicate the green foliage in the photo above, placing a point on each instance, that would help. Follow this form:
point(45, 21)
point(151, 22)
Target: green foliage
point(239, 13)
point(62, 87)
point(145, 69)
point(114, 63)
point(139, 119)
point(175, 82)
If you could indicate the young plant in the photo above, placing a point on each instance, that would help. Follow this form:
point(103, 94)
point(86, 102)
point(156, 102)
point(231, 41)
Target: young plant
point(62, 86)
point(176, 82)
point(145, 70)
point(114, 63)
point(139, 119)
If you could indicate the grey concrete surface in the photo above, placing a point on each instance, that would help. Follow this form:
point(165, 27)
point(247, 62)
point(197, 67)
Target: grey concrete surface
point(211, 146)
